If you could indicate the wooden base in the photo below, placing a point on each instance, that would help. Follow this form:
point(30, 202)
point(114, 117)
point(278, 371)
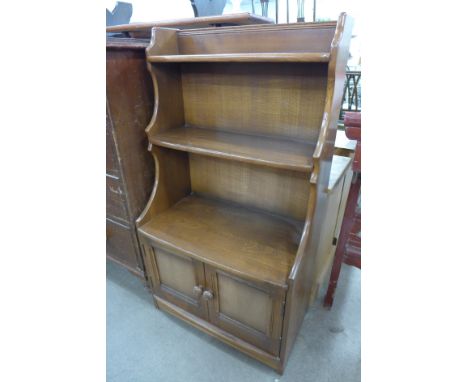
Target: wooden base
point(252, 351)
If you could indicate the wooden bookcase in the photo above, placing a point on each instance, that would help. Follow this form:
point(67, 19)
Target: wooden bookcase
point(242, 136)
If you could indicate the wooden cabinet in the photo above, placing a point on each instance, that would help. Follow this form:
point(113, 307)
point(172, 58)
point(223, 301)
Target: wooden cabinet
point(250, 310)
point(242, 137)
point(129, 105)
point(129, 166)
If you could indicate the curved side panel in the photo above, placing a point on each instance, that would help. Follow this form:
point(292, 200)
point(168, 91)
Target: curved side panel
point(145, 215)
point(339, 55)
point(167, 83)
point(154, 116)
point(172, 178)
point(300, 277)
point(172, 182)
point(324, 150)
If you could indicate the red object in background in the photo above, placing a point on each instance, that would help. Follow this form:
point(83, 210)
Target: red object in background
point(348, 248)
point(352, 122)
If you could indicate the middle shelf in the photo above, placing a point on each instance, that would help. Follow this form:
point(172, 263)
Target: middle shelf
point(245, 241)
point(244, 57)
point(263, 150)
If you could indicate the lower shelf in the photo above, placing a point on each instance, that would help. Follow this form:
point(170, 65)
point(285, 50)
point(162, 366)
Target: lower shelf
point(249, 243)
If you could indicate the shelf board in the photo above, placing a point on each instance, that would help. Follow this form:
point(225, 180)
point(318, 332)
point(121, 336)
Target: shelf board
point(246, 242)
point(243, 57)
point(269, 151)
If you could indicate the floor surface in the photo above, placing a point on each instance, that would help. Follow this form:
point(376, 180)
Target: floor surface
point(146, 344)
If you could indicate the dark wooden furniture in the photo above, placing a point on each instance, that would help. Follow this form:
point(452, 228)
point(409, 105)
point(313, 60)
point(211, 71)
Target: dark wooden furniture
point(243, 137)
point(129, 106)
point(348, 249)
point(143, 30)
point(130, 169)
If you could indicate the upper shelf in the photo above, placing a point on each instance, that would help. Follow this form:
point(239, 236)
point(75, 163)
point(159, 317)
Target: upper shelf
point(269, 151)
point(243, 57)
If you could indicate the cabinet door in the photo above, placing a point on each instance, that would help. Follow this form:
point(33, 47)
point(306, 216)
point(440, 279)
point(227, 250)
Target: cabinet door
point(177, 279)
point(249, 310)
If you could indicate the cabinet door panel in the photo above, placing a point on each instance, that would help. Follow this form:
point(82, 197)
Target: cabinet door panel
point(251, 311)
point(173, 278)
point(176, 272)
point(243, 303)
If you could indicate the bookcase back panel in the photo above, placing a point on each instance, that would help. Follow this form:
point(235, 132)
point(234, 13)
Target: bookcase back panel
point(279, 191)
point(257, 40)
point(285, 100)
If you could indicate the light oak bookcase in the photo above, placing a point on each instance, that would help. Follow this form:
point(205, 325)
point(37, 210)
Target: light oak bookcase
point(242, 136)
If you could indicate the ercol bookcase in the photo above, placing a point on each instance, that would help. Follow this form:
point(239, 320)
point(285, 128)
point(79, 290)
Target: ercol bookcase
point(242, 136)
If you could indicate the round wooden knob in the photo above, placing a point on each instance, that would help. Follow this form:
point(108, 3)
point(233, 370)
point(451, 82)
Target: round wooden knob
point(208, 295)
point(197, 290)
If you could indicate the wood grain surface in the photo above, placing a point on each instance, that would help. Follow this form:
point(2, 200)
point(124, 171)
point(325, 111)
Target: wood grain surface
point(256, 149)
point(273, 190)
point(244, 57)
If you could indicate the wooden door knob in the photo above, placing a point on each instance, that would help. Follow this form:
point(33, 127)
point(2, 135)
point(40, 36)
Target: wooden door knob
point(208, 295)
point(197, 290)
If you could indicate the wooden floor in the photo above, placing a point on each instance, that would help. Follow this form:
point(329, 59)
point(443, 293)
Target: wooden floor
point(250, 243)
